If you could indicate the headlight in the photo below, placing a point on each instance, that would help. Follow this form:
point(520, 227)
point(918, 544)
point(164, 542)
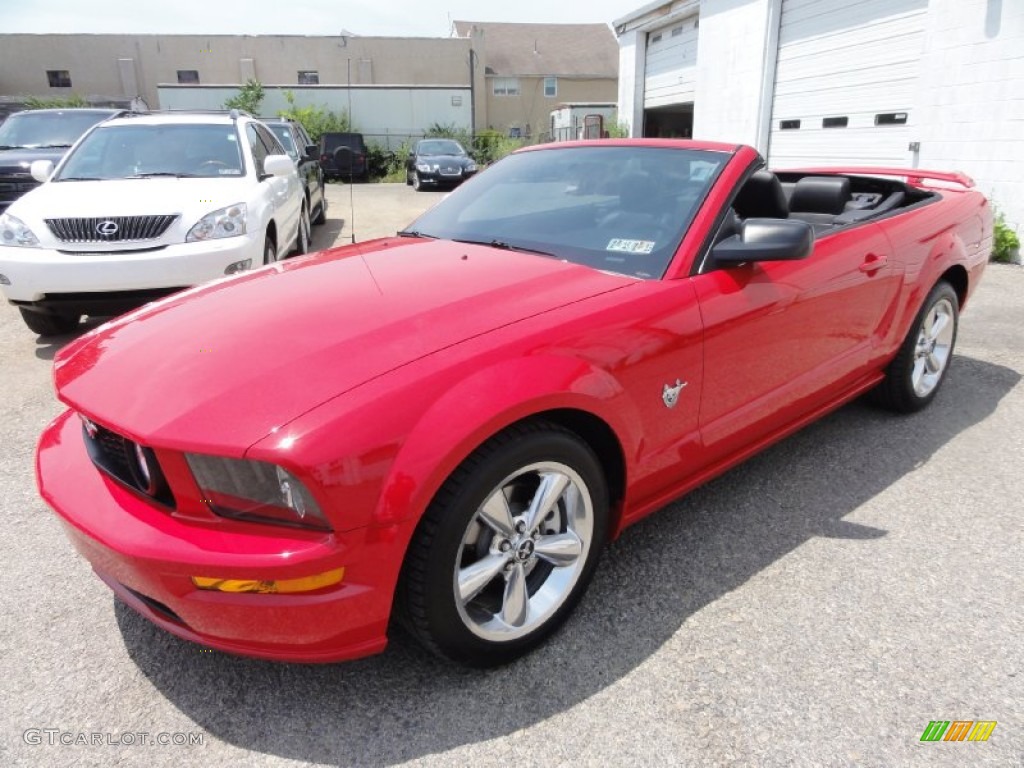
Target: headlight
point(255, 490)
point(14, 232)
point(424, 167)
point(226, 222)
point(470, 167)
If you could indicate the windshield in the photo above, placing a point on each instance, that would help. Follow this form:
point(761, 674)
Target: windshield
point(47, 129)
point(620, 209)
point(284, 135)
point(441, 147)
point(139, 151)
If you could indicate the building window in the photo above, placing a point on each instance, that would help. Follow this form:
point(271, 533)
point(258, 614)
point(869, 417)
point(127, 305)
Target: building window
point(59, 78)
point(188, 76)
point(456, 101)
point(835, 122)
point(505, 86)
point(891, 118)
point(309, 77)
point(656, 38)
point(789, 125)
point(550, 87)
point(677, 31)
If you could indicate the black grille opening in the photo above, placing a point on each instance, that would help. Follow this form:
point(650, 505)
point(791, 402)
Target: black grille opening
point(120, 458)
point(156, 606)
point(110, 229)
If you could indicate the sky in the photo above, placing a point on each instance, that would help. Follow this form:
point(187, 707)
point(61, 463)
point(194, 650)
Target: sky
point(399, 18)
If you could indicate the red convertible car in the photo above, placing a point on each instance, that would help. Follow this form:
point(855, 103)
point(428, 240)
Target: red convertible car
point(445, 427)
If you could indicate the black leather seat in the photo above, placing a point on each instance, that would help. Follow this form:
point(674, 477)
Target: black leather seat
point(819, 199)
point(761, 197)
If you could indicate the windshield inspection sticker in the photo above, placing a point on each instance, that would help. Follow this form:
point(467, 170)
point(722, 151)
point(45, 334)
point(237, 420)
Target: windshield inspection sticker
point(630, 246)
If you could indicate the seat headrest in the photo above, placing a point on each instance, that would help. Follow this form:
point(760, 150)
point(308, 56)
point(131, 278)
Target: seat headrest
point(762, 196)
point(820, 194)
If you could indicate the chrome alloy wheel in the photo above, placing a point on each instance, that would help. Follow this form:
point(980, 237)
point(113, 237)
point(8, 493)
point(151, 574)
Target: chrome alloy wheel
point(934, 346)
point(523, 551)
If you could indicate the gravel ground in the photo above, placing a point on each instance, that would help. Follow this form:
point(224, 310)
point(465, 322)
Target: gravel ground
point(817, 606)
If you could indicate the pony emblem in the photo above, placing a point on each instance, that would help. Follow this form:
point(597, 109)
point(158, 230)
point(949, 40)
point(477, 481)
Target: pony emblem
point(671, 394)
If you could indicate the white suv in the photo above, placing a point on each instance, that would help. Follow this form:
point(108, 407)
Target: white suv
point(146, 205)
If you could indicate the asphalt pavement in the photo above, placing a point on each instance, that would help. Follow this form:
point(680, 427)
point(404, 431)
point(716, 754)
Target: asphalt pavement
point(817, 606)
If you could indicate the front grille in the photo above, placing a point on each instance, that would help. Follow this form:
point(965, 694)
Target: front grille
point(115, 455)
point(110, 229)
point(12, 190)
point(451, 171)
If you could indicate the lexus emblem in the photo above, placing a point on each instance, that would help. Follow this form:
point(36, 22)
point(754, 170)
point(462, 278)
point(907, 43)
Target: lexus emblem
point(670, 395)
point(106, 228)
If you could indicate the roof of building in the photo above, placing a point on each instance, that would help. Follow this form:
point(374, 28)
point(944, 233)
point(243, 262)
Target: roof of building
point(566, 50)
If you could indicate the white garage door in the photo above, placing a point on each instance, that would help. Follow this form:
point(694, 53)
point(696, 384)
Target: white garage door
point(846, 82)
point(670, 74)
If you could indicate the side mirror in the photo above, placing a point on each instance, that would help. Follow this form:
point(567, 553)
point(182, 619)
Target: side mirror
point(312, 151)
point(278, 165)
point(766, 240)
point(41, 170)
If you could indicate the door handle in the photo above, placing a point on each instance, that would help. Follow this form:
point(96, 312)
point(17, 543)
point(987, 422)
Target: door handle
point(873, 263)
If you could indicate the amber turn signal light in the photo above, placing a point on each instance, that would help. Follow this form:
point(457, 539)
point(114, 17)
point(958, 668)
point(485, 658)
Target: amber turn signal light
point(279, 586)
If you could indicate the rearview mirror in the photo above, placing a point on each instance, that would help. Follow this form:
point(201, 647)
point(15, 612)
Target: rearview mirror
point(766, 240)
point(312, 151)
point(278, 165)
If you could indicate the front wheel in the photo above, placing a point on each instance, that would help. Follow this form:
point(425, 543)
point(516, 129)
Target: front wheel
point(47, 323)
point(269, 251)
point(507, 548)
point(914, 376)
point(417, 183)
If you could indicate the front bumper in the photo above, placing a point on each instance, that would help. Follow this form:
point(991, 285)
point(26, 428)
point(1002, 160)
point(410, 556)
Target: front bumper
point(34, 273)
point(147, 555)
point(440, 177)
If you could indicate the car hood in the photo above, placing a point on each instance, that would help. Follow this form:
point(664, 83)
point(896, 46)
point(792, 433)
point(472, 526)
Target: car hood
point(458, 159)
point(192, 198)
point(17, 162)
point(216, 368)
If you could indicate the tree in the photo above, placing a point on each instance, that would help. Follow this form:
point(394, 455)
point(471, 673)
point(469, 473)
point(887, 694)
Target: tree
point(248, 99)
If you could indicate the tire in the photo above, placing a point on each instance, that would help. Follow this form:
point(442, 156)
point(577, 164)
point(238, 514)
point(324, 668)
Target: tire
point(321, 215)
point(485, 579)
point(302, 236)
point(416, 183)
point(914, 376)
point(408, 178)
point(269, 250)
point(47, 323)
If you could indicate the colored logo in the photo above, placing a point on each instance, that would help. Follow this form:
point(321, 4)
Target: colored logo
point(958, 730)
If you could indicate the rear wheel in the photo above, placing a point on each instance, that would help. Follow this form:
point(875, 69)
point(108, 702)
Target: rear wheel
point(914, 376)
point(507, 548)
point(408, 178)
point(321, 215)
point(302, 238)
point(48, 323)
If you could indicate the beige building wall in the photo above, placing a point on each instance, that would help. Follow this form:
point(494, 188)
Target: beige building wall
point(530, 111)
point(133, 65)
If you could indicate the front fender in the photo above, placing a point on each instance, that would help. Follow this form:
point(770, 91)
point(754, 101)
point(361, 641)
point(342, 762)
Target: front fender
point(485, 403)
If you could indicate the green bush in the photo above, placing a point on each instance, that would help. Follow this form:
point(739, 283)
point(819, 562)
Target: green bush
point(490, 146)
point(71, 102)
point(1004, 240)
point(617, 130)
point(317, 120)
point(387, 165)
point(248, 99)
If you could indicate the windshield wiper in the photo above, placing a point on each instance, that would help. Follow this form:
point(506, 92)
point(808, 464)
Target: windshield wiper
point(12, 146)
point(49, 146)
point(506, 246)
point(79, 178)
point(415, 233)
point(166, 174)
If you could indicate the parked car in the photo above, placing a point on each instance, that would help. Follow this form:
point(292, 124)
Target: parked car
point(144, 206)
point(306, 155)
point(39, 134)
point(344, 156)
point(438, 162)
point(447, 426)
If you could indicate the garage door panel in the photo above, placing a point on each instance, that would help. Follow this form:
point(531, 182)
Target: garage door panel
point(670, 74)
point(846, 59)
